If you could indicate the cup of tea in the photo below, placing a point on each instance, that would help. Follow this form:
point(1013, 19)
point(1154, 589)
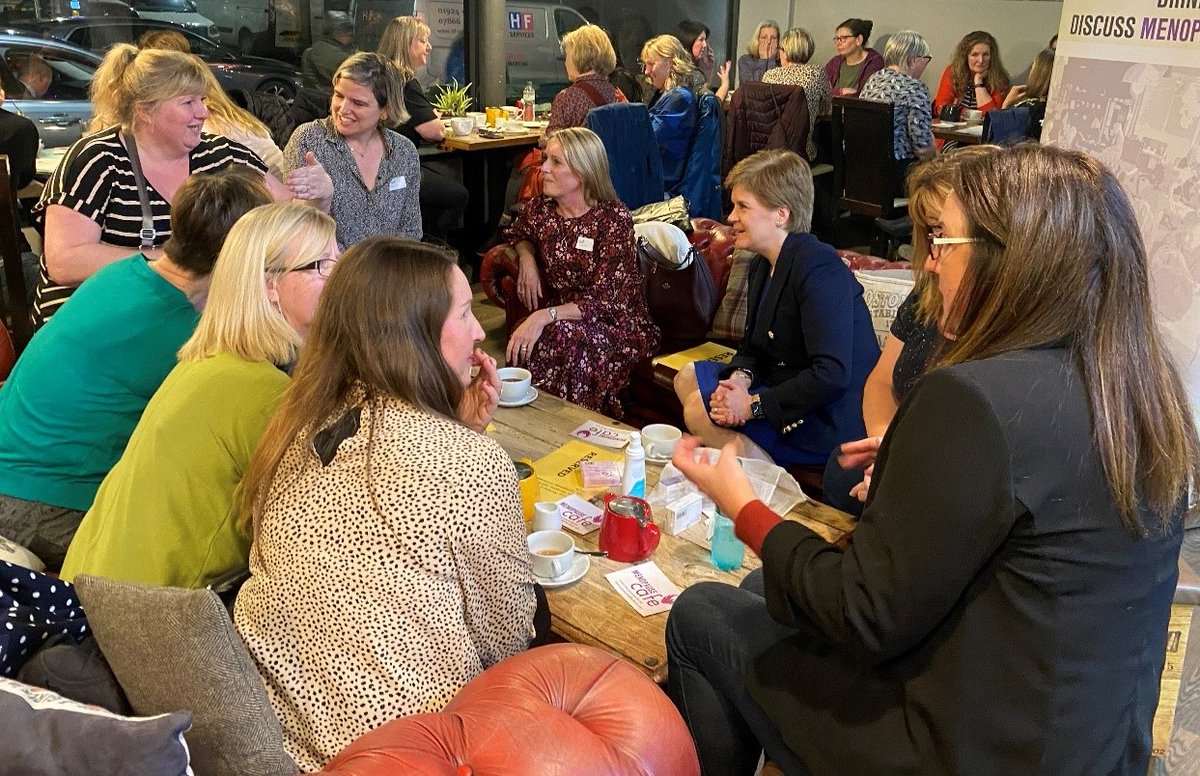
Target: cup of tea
point(552, 553)
point(513, 113)
point(546, 516)
point(515, 383)
point(462, 125)
point(660, 440)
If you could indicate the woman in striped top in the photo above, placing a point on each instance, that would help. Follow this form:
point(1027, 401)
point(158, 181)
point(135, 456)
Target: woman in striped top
point(976, 79)
point(91, 206)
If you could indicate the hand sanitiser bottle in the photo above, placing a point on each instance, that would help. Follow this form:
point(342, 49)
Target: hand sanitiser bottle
point(633, 483)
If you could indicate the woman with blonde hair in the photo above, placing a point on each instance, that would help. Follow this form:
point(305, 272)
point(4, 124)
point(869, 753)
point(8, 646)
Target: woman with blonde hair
point(579, 274)
point(1034, 92)
point(590, 60)
point(389, 565)
point(405, 43)
point(166, 513)
point(796, 48)
point(94, 214)
point(762, 53)
point(674, 114)
point(1020, 539)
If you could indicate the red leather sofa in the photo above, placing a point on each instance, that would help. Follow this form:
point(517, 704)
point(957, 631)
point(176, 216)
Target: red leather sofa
point(552, 711)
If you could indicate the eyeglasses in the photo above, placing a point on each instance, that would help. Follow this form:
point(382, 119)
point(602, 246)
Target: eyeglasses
point(926, 57)
point(323, 267)
point(840, 38)
point(936, 242)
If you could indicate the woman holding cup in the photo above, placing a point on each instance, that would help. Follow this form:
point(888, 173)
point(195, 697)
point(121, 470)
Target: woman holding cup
point(381, 582)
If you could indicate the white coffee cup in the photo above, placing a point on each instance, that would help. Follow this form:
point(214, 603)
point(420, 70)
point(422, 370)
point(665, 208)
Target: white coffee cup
point(479, 118)
point(552, 553)
point(660, 439)
point(546, 516)
point(970, 114)
point(462, 125)
point(515, 383)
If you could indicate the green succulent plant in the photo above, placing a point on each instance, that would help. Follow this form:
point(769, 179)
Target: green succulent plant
point(453, 100)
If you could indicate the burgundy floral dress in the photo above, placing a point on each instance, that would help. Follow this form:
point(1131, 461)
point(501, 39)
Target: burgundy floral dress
point(589, 260)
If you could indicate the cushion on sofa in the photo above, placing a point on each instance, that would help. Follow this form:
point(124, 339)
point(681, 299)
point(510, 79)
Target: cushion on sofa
point(730, 321)
point(42, 732)
point(173, 649)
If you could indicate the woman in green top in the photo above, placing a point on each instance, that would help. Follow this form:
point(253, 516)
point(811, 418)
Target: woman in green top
point(854, 63)
point(163, 515)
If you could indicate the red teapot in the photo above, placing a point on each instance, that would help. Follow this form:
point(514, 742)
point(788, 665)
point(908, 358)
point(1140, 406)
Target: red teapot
point(627, 532)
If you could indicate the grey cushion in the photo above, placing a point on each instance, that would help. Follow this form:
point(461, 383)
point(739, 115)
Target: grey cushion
point(172, 649)
point(45, 733)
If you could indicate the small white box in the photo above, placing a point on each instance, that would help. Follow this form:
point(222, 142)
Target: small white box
point(682, 513)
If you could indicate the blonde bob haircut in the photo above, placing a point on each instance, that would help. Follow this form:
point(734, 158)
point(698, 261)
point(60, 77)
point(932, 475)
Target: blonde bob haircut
point(239, 317)
point(129, 81)
point(777, 179)
point(797, 45)
point(382, 77)
point(668, 47)
point(589, 50)
point(584, 153)
point(752, 46)
point(396, 43)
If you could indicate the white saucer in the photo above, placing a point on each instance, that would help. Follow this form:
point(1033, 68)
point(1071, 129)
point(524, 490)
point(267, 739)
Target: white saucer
point(529, 399)
point(658, 459)
point(578, 569)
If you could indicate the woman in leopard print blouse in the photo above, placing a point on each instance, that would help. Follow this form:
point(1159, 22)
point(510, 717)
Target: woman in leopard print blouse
point(389, 565)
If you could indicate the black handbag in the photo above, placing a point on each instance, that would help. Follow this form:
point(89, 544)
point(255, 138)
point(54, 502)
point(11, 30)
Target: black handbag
point(680, 292)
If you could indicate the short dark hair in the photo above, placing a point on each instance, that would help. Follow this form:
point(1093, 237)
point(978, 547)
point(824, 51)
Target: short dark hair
point(206, 207)
point(858, 27)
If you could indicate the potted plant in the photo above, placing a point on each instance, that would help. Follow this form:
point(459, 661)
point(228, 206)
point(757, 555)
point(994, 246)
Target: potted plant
point(453, 101)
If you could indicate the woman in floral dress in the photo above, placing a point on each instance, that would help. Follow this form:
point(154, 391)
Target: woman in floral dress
point(580, 276)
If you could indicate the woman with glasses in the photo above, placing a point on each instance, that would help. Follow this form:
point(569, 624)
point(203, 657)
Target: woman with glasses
point(854, 63)
point(906, 55)
point(165, 514)
point(1003, 605)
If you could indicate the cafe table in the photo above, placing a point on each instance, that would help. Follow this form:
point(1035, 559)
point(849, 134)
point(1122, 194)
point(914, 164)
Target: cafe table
point(965, 132)
point(591, 611)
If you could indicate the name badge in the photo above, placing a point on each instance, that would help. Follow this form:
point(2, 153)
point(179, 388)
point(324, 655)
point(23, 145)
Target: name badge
point(397, 183)
point(585, 243)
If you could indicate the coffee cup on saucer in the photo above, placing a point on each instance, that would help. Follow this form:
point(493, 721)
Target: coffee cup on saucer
point(552, 553)
point(660, 440)
point(479, 117)
point(515, 383)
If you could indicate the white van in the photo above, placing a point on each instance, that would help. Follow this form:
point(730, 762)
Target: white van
point(240, 23)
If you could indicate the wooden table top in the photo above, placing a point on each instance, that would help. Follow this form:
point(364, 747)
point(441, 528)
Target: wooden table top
point(970, 133)
point(473, 142)
point(590, 611)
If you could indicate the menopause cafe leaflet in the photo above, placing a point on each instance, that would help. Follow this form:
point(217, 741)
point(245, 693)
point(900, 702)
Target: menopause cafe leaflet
point(579, 515)
point(558, 473)
point(644, 587)
point(605, 436)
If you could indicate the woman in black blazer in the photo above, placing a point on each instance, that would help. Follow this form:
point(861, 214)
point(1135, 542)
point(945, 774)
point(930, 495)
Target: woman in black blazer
point(1002, 605)
point(794, 389)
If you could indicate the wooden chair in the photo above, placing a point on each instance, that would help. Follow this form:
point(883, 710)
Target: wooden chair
point(16, 309)
point(864, 161)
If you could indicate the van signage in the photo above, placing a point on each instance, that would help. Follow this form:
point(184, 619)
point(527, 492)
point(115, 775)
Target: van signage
point(520, 21)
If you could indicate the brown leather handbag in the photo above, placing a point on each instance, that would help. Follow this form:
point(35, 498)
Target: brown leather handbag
point(680, 293)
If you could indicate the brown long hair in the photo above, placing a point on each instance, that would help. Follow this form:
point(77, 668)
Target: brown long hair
point(1037, 86)
point(997, 78)
point(377, 329)
point(1061, 261)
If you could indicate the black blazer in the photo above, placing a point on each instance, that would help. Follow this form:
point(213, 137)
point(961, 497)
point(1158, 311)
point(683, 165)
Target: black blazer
point(992, 614)
point(810, 345)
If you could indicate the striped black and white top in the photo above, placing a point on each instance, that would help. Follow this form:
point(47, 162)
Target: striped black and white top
point(96, 179)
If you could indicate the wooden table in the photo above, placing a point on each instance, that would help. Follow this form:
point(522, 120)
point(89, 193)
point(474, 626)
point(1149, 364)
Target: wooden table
point(590, 611)
point(969, 134)
point(473, 142)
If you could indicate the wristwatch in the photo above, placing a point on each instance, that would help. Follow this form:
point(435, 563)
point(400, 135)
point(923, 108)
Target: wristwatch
point(749, 375)
point(756, 409)
point(553, 313)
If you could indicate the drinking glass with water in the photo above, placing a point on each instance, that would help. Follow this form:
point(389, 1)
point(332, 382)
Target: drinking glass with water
point(727, 551)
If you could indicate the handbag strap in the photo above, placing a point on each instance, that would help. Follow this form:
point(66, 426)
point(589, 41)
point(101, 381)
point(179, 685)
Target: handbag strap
point(656, 257)
point(593, 92)
point(147, 233)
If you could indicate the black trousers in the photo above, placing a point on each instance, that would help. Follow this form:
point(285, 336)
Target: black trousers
point(443, 201)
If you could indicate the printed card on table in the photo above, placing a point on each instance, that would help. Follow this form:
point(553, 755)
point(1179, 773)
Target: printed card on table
point(645, 588)
point(605, 436)
point(579, 516)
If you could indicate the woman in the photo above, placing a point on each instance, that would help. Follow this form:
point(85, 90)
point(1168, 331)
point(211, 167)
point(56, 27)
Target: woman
point(165, 513)
point(577, 258)
point(590, 60)
point(912, 341)
point(762, 53)
point(673, 115)
point(976, 78)
point(1021, 535)
point(693, 36)
point(376, 173)
point(405, 43)
point(75, 395)
point(381, 582)
point(854, 63)
point(906, 56)
point(794, 389)
point(1034, 93)
point(795, 50)
point(93, 212)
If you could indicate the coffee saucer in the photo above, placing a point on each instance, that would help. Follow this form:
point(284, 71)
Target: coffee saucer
point(578, 568)
point(658, 458)
point(528, 399)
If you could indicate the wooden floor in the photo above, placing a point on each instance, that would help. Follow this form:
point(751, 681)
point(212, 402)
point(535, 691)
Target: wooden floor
point(1183, 758)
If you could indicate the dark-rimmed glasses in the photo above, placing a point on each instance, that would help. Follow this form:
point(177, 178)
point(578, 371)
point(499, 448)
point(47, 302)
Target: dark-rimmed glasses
point(323, 267)
point(840, 38)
